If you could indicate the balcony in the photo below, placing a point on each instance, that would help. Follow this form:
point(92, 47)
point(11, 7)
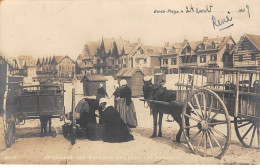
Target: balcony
point(104, 64)
point(212, 62)
point(246, 63)
point(191, 64)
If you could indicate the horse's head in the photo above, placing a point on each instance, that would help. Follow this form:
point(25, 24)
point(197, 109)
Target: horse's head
point(146, 88)
point(149, 89)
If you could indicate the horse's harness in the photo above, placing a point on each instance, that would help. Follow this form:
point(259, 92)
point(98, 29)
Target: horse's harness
point(147, 100)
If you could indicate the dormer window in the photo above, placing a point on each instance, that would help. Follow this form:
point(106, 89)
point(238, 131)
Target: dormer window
point(213, 45)
point(202, 46)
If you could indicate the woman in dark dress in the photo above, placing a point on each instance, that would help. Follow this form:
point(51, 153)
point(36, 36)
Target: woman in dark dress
point(115, 128)
point(101, 93)
point(126, 106)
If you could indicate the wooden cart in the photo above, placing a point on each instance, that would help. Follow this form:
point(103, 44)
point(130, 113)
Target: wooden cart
point(214, 97)
point(21, 103)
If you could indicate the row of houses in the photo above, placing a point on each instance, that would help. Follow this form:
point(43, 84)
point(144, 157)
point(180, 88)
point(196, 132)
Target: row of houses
point(56, 67)
point(109, 55)
point(220, 52)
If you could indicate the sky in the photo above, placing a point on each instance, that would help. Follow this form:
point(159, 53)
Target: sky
point(61, 27)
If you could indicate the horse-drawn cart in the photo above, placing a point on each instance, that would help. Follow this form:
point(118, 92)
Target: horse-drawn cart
point(209, 98)
point(21, 103)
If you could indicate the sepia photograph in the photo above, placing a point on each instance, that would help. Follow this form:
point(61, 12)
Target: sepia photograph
point(120, 82)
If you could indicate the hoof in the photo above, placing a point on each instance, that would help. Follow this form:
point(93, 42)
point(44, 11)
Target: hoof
point(153, 136)
point(178, 141)
point(159, 135)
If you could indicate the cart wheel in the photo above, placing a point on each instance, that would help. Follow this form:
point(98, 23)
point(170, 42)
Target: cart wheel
point(9, 123)
point(209, 124)
point(246, 132)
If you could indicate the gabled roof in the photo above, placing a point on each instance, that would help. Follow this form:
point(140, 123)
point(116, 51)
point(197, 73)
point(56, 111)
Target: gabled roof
point(219, 42)
point(28, 60)
point(127, 72)
point(153, 50)
point(254, 39)
point(57, 59)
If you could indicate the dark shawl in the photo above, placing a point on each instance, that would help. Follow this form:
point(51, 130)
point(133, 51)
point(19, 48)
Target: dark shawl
point(115, 128)
point(101, 92)
point(126, 93)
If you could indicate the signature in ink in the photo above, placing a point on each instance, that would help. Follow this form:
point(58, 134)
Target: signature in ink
point(217, 23)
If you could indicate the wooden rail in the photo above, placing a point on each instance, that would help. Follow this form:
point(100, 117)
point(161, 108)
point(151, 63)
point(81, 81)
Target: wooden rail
point(163, 102)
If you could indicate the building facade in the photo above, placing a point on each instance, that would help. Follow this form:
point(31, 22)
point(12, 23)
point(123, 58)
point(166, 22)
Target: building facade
point(215, 52)
point(246, 54)
point(60, 68)
point(109, 55)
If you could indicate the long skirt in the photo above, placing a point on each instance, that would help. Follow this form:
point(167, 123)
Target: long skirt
point(127, 113)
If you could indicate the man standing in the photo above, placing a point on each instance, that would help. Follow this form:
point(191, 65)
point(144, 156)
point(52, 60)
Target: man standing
point(101, 92)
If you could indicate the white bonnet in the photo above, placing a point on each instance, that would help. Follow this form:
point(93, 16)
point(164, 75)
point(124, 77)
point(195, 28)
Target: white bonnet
point(102, 100)
point(123, 82)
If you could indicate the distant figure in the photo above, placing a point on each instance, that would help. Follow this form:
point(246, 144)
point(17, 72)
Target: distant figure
point(44, 120)
point(126, 106)
point(115, 128)
point(116, 94)
point(101, 92)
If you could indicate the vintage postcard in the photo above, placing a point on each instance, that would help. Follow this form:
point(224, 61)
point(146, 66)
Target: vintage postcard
point(148, 82)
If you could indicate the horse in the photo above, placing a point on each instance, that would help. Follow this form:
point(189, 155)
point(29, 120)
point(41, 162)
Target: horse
point(160, 93)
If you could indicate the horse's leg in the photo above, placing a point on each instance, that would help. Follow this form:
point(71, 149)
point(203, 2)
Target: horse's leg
point(50, 124)
point(160, 124)
point(155, 114)
point(177, 118)
point(187, 122)
point(41, 129)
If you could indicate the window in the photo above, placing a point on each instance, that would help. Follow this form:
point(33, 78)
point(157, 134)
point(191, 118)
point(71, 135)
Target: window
point(213, 45)
point(165, 61)
point(252, 57)
point(145, 61)
point(137, 61)
point(98, 61)
point(203, 58)
point(213, 57)
point(240, 58)
point(194, 58)
point(202, 46)
point(173, 61)
point(227, 47)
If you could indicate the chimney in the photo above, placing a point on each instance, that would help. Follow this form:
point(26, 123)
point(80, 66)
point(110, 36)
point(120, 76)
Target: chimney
point(205, 39)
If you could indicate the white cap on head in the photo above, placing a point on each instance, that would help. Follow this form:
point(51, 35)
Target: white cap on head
point(102, 100)
point(101, 85)
point(123, 82)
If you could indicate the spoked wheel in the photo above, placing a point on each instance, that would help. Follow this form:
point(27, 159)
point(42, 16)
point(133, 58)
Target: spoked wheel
point(206, 124)
point(9, 124)
point(247, 132)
